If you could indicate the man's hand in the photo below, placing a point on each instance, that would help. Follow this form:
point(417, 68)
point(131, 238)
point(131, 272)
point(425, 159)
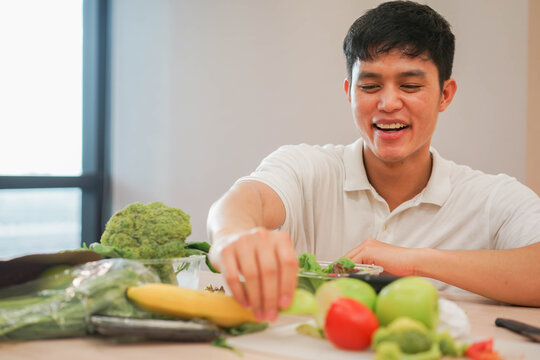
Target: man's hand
point(267, 262)
point(516, 269)
point(395, 260)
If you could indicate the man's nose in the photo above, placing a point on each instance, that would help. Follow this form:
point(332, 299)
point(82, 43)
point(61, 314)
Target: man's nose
point(390, 100)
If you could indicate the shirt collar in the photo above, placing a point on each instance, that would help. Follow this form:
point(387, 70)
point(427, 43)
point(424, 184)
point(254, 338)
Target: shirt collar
point(436, 191)
point(355, 173)
point(438, 187)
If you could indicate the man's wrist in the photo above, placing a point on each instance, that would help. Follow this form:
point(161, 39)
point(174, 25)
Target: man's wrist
point(229, 231)
point(423, 260)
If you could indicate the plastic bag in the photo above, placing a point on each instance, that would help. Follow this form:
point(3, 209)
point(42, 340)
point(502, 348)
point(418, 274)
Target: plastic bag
point(59, 305)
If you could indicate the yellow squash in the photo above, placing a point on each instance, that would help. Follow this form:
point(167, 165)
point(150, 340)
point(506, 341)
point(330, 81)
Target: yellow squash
point(167, 299)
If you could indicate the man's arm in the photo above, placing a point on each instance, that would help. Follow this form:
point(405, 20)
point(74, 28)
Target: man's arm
point(511, 276)
point(240, 225)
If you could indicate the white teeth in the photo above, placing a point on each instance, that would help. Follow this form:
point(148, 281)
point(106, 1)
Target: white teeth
point(391, 126)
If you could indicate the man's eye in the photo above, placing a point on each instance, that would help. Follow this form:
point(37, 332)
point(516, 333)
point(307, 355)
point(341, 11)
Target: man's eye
point(368, 87)
point(411, 87)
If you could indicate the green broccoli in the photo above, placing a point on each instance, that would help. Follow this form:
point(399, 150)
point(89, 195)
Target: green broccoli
point(411, 335)
point(152, 231)
point(448, 346)
point(388, 350)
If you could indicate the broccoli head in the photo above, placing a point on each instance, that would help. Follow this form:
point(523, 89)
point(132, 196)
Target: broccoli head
point(411, 335)
point(152, 231)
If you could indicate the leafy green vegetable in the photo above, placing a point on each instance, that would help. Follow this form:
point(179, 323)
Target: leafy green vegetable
point(106, 251)
point(222, 343)
point(57, 306)
point(200, 248)
point(245, 328)
point(308, 264)
point(242, 329)
point(340, 266)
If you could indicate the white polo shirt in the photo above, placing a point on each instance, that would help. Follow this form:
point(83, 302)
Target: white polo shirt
point(331, 207)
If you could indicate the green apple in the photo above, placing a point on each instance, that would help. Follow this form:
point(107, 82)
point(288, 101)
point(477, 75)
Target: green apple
point(413, 297)
point(344, 287)
point(303, 303)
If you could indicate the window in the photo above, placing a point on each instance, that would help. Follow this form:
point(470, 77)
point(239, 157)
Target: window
point(53, 183)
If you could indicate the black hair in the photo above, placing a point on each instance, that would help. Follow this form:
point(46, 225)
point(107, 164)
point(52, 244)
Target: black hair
point(412, 28)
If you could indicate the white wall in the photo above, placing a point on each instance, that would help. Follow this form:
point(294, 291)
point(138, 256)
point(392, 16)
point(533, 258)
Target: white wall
point(203, 90)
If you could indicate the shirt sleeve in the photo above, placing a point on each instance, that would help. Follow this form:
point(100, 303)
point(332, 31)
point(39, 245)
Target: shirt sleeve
point(514, 214)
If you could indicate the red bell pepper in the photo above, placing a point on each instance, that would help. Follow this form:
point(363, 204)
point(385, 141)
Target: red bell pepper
point(482, 350)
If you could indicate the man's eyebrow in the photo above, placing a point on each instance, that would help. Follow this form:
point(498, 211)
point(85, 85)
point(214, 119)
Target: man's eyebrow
point(413, 73)
point(410, 73)
point(368, 75)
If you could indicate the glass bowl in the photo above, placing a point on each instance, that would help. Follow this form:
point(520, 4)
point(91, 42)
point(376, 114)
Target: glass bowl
point(312, 280)
point(183, 272)
point(359, 269)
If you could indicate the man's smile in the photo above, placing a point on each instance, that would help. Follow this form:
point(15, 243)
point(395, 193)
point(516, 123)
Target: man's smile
point(389, 129)
point(392, 127)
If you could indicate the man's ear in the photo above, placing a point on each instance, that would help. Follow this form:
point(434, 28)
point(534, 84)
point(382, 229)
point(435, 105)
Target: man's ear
point(448, 92)
point(347, 89)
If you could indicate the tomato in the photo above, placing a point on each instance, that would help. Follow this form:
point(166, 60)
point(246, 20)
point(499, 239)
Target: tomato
point(350, 324)
point(482, 350)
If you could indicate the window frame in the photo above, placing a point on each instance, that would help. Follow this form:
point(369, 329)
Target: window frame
point(94, 181)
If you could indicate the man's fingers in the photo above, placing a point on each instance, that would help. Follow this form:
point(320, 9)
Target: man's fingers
point(269, 270)
point(351, 253)
point(288, 265)
point(358, 253)
point(354, 252)
point(252, 278)
point(231, 274)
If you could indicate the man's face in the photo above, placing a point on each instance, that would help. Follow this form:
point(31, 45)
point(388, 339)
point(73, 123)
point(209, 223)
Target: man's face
point(395, 101)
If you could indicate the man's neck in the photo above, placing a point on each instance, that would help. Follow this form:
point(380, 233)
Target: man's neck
point(400, 181)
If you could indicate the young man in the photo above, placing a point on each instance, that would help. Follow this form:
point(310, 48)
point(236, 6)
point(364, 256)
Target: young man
point(387, 199)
